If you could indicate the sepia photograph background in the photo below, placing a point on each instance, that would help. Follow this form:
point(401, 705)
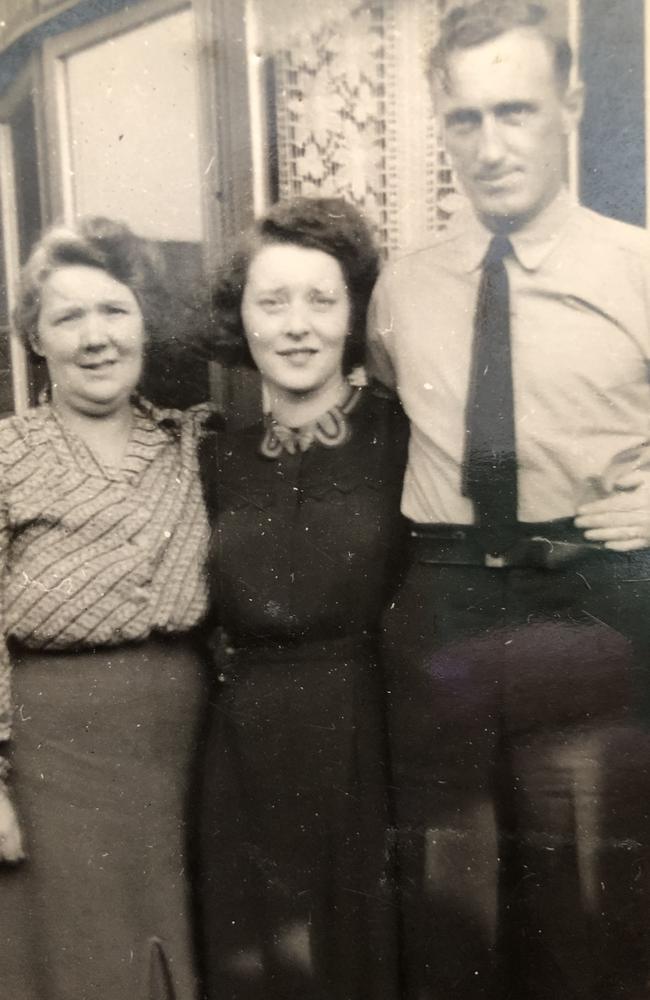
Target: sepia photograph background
point(187, 119)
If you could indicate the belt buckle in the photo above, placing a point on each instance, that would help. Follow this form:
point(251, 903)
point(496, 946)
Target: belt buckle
point(495, 562)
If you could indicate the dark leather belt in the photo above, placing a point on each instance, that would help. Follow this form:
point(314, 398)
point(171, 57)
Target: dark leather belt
point(546, 545)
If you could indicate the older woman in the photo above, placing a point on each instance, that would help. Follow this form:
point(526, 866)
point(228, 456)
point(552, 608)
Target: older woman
point(294, 838)
point(102, 531)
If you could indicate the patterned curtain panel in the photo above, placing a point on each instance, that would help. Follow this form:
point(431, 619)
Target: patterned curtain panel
point(354, 117)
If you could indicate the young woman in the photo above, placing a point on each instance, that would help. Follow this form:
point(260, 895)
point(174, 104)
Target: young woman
point(294, 838)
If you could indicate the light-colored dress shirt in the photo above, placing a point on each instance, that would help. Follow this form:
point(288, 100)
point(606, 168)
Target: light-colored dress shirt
point(580, 328)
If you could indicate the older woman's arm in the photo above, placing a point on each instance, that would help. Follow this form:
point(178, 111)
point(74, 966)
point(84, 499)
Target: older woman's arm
point(11, 846)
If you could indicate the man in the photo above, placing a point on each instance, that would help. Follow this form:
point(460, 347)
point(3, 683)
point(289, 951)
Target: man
point(520, 347)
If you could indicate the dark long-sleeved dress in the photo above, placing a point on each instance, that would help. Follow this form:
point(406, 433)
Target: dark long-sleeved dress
point(294, 837)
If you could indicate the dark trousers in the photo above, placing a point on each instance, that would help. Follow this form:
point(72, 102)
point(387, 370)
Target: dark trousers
point(521, 766)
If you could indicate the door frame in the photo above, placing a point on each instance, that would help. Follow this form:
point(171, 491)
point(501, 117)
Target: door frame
point(27, 84)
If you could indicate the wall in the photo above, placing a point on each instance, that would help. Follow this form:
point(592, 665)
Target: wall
point(17, 16)
point(613, 135)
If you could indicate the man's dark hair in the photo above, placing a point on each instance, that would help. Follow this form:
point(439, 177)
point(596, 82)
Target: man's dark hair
point(467, 25)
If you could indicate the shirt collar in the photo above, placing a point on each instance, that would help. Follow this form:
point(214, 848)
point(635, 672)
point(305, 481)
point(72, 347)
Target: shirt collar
point(531, 245)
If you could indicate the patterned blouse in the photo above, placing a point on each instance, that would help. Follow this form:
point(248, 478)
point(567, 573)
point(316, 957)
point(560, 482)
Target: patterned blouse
point(94, 556)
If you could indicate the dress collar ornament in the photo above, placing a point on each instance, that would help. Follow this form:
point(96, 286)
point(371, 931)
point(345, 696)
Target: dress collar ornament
point(332, 429)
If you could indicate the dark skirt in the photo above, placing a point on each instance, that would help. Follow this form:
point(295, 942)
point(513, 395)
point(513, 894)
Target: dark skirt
point(102, 751)
point(294, 847)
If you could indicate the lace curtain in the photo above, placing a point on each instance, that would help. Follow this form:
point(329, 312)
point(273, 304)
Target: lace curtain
point(353, 116)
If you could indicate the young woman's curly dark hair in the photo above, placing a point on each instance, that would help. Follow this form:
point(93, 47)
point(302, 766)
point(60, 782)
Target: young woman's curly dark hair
point(327, 224)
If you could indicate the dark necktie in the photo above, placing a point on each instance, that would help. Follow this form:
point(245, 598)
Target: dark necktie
point(490, 467)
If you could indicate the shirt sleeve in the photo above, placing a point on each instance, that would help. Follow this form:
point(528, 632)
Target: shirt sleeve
point(379, 362)
point(642, 459)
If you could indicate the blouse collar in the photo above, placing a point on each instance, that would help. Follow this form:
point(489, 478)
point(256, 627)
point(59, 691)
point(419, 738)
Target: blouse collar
point(331, 429)
point(163, 416)
point(151, 430)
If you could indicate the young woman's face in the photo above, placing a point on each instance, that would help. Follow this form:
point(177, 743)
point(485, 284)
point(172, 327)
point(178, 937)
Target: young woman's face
point(91, 334)
point(296, 316)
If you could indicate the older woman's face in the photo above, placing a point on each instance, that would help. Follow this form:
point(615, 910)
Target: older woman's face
point(91, 334)
point(296, 316)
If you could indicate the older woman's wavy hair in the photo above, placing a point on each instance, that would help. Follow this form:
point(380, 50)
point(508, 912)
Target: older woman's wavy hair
point(327, 224)
point(97, 242)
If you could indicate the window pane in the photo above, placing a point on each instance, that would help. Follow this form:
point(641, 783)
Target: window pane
point(133, 105)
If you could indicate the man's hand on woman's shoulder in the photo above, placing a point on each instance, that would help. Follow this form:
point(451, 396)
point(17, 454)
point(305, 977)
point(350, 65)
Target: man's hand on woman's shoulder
point(621, 521)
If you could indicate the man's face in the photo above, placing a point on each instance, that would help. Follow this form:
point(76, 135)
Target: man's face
point(506, 117)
